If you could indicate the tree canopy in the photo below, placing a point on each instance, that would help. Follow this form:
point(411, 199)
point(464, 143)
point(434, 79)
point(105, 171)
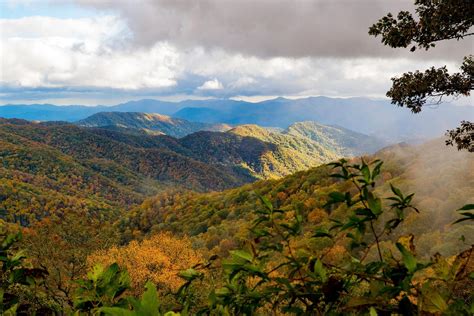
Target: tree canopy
point(436, 21)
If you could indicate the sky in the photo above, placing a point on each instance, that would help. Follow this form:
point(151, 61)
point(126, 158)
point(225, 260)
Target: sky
point(106, 52)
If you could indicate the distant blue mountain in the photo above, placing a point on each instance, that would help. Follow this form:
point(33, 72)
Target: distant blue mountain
point(48, 112)
point(72, 113)
point(373, 117)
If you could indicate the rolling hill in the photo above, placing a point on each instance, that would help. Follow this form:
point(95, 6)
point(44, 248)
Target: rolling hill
point(302, 146)
point(441, 178)
point(58, 166)
point(344, 142)
point(55, 167)
point(151, 123)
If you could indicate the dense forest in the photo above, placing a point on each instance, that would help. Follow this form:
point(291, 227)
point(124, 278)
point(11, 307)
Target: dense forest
point(156, 238)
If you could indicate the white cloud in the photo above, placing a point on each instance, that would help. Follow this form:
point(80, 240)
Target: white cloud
point(243, 82)
point(94, 53)
point(213, 84)
point(271, 28)
point(52, 52)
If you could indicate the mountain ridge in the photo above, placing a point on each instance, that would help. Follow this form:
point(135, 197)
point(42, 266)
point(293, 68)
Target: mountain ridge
point(149, 123)
point(364, 115)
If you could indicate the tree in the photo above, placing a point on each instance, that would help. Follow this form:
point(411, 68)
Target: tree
point(158, 259)
point(437, 21)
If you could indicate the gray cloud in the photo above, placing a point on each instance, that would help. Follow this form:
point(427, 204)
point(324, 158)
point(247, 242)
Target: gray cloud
point(269, 28)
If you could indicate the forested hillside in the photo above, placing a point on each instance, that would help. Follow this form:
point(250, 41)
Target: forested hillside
point(344, 142)
point(54, 167)
point(151, 123)
point(73, 225)
point(442, 178)
point(141, 164)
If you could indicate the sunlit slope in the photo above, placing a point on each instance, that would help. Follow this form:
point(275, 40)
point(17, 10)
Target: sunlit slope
point(151, 123)
point(441, 177)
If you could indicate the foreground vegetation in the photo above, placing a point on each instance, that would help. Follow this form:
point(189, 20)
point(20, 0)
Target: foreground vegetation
point(275, 272)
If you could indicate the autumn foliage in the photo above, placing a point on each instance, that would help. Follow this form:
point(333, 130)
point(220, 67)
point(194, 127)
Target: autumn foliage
point(157, 259)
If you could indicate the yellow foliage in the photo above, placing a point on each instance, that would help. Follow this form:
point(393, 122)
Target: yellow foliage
point(158, 259)
point(317, 215)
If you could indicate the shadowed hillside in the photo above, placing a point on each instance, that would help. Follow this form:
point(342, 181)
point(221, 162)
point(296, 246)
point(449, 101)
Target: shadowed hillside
point(150, 123)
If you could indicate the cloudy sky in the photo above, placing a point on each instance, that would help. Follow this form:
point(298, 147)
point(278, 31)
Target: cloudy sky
point(106, 52)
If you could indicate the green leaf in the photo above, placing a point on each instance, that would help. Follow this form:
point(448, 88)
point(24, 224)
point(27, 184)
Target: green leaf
point(408, 259)
point(149, 304)
point(189, 274)
point(336, 197)
point(266, 202)
point(116, 311)
point(396, 191)
point(242, 254)
point(320, 270)
point(372, 311)
point(375, 204)
point(437, 301)
point(321, 232)
point(467, 207)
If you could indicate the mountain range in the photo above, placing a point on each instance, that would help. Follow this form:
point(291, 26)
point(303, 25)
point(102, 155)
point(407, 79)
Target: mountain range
point(57, 163)
point(301, 146)
point(364, 115)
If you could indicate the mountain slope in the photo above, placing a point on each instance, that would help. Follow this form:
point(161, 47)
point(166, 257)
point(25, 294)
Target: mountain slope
point(342, 141)
point(151, 123)
point(291, 154)
point(159, 158)
point(441, 178)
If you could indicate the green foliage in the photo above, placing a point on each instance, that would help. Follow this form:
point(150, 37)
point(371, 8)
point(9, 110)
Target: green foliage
point(272, 275)
point(17, 279)
point(438, 21)
point(466, 212)
point(103, 287)
point(102, 293)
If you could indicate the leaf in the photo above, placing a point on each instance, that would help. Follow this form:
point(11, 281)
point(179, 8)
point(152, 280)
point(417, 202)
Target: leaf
point(189, 274)
point(377, 168)
point(266, 202)
point(365, 172)
point(321, 232)
point(320, 270)
point(438, 301)
point(467, 207)
point(242, 254)
point(364, 212)
point(396, 191)
point(408, 259)
point(115, 311)
point(372, 311)
point(336, 197)
point(149, 304)
point(375, 204)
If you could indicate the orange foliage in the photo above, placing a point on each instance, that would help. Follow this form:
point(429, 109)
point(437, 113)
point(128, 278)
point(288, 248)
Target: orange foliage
point(316, 216)
point(158, 259)
point(336, 254)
